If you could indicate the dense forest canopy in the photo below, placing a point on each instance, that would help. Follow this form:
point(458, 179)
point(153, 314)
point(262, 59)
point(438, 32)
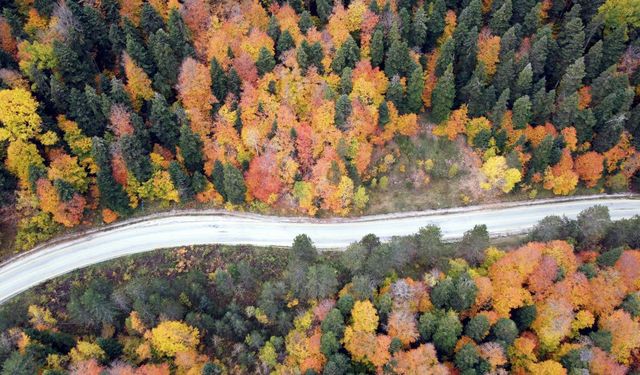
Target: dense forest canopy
point(305, 105)
point(566, 300)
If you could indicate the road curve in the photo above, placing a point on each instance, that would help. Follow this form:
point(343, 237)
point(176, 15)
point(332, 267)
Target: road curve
point(208, 227)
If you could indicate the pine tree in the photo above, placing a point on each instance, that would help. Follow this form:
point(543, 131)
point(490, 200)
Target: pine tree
point(218, 80)
point(75, 70)
point(532, 21)
point(538, 54)
point(419, 28)
point(112, 195)
point(273, 29)
point(217, 178)
point(474, 92)
point(405, 24)
point(345, 81)
point(572, 79)
point(383, 115)
point(614, 44)
point(265, 62)
point(139, 53)
point(415, 87)
point(443, 95)
point(324, 9)
point(180, 36)
point(593, 61)
point(135, 157)
point(347, 56)
point(498, 110)
point(397, 59)
point(395, 94)
point(377, 48)
point(566, 111)
point(285, 42)
point(234, 185)
point(164, 125)
point(520, 10)
point(467, 58)
point(523, 83)
point(343, 111)
point(181, 181)
point(305, 22)
point(499, 22)
point(190, 149)
point(521, 112)
point(166, 61)
point(150, 20)
point(570, 42)
point(446, 58)
point(435, 23)
point(234, 83)
point(505, 73)
point(542, 105)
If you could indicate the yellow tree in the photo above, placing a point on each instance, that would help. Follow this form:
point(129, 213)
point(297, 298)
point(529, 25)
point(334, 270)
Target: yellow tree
point(138, 83)
point(18, 115)
point(498, 175)
point(171, 337)
point(21, 155)
point(365, 316)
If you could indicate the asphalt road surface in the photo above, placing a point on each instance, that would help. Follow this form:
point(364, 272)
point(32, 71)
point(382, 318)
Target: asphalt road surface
point(207, 227)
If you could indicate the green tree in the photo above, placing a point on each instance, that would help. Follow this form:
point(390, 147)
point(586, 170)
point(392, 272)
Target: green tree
point(499, 22)
point(383, 114)
point(505, 331)
point(164, 125)
point(345, 81)
point(442, 97)
point(521, 112)
point(395, 94)
point(397, 61)
point(234, 186)
point(377, 48)
point(477, 328)
point(305, 23)
point(474, 243)
point(136, 157)
point(181, 181)
point(415, 87)
point(324, 9)
point(180, 35)
point(265, 62)
point(419, 28)
point(467, 357)
point(112, 195)
point(150, 20)
point(18, 364)
point(217, 178)
point(321, 282)
point(191, 149)
point(593, 61)
point(447, 333)
point(347, 56)
point(343, 111)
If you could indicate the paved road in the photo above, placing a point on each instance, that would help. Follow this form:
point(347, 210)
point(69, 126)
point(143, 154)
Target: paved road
point(182, 229)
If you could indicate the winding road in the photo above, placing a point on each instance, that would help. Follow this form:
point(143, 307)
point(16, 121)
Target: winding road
point(208, 227)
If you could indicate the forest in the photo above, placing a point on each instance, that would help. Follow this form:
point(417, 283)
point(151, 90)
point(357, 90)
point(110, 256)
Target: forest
point(563, 300)
point(108, 108)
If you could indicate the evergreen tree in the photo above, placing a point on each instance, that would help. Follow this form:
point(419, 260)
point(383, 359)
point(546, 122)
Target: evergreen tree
point(474, 92)
point(383, 114)
point(521, 112)
point(520, 9)
point(181, 181)
point(217, 178)
point(593, 61)
point(442, 97)
point(499, 22)
point(446, 58)
point(467, 58)
point(347, 56)
point(324, 9)
point(345, 81)
point(566, 111)
point(166, 62)
point(150, 20)
point(265, 62)
point(405, 24)
point(343, 111)
point(377, 48)
point(584, 123)
point(234, 83)
point(164, 125)
point(523, 83)
point(419, 28)
point(234, 186)
point(415, 87)
point(505, 73)
point(435, 22)
point(273, 29)
point(135, 156)
point(533, 20)
point(538, 55)
point(614, 44)
point(180, 36)
point(542, 105)
point(397, 59)
point(218, 80)
point(570, 43)
point(395, 94)
point(139, 53)
point(498, 110)
point(75, 70)
point(112, 195)
point(305, 22)
point(572, 79)
point(191, 149)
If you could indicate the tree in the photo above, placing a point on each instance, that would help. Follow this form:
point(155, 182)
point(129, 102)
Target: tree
point(234, 186)
point(18, 115)
point(171, 337)
point(190, 149)
point(181, 181)
point(262, 182)
point(397, 61)
point(343, 111)
point(593, 224)
point(164, 125)
point(18, 364)
point(522, 112)
point(302, 251)
point(377, 48)
point(505, 331)
point(321, 282)
point(499, 22)
point(414, 90)
point(467, 357)
point(265, 62)
point(218, 80)
point(589, 167)
point(443, 95)
point(473, 244)
point(447, 332)
point(365, 317)
point(347, 56)
point(477, 328)
point(419, 28)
